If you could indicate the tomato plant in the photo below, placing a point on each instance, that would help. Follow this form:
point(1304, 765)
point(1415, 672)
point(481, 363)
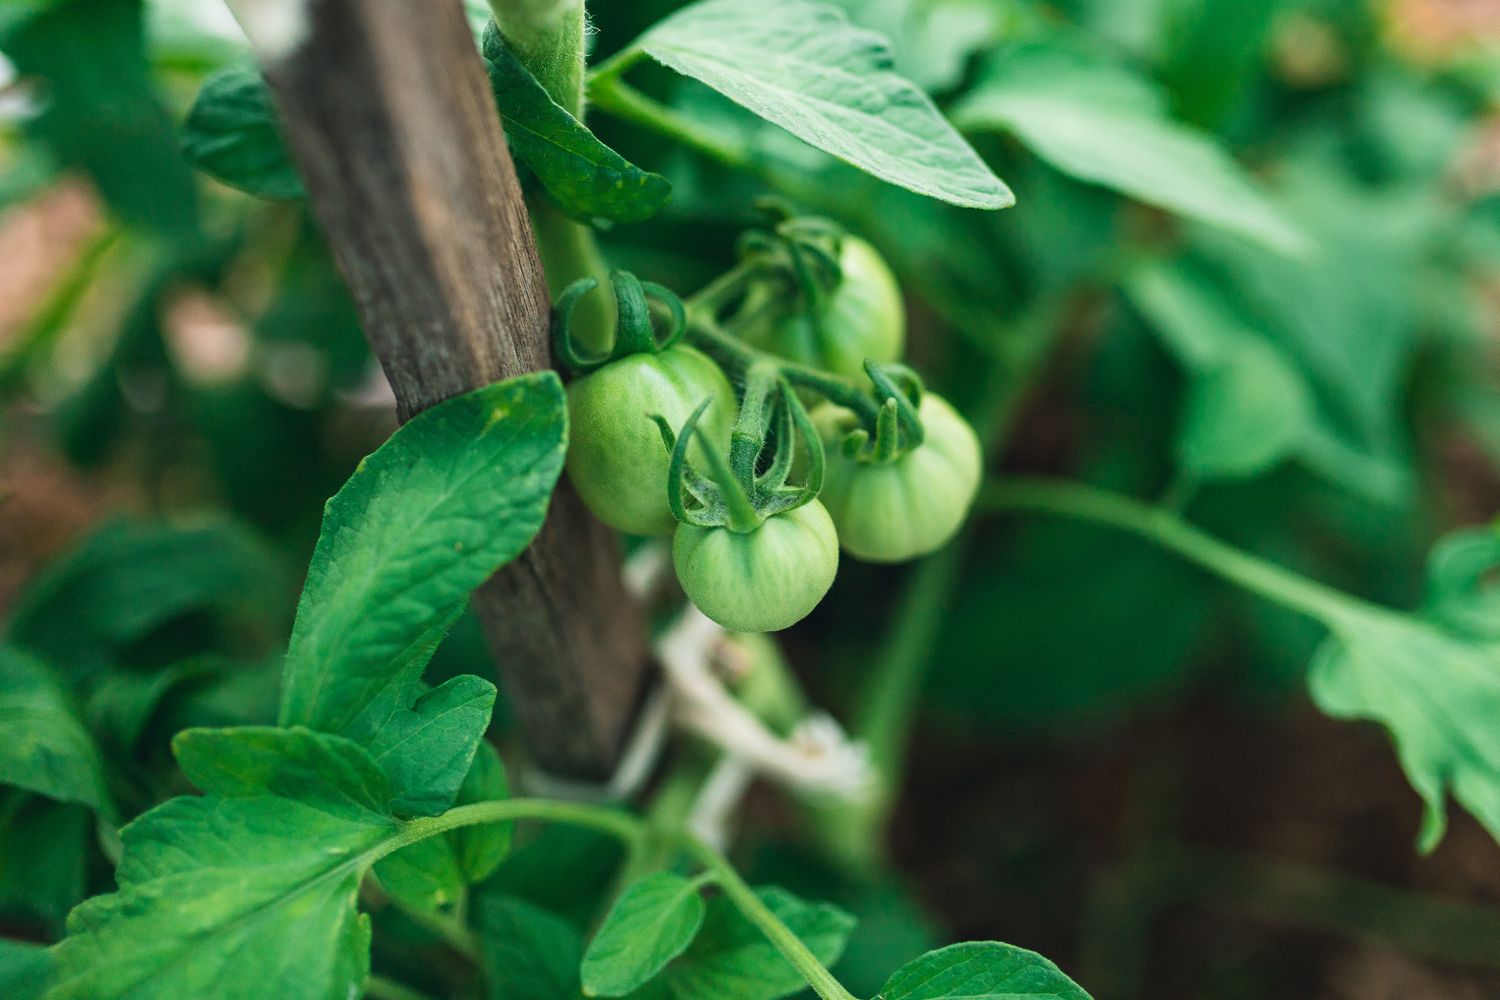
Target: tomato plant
point(874, 552)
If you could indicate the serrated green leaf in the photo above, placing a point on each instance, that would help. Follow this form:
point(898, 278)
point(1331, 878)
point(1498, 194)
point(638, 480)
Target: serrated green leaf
point(1097, 123)
point(731, 959)
point(1437, 692)
point(455, 494)
point(481, 848)
point(426, 750)
point(44, 747)
point(232, 134)
point(529, 953)
point(981, 970)
point(583, 175)
point(651, 923)
point(803, 66)
point(246, 891)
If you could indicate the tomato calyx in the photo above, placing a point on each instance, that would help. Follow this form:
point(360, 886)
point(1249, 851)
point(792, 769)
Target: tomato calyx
point(751, 483)
point(635, 326)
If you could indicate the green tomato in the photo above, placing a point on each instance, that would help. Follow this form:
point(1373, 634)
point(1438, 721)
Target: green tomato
point(762, 580)
point(862, 318)
point(894, 511)
point(616, 459)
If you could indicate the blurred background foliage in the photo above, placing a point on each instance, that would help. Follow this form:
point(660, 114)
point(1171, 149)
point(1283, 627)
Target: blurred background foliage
point(1255, 262)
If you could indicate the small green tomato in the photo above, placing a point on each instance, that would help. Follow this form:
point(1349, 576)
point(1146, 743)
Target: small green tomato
point(863, 317)
point(762, 580)
point(894, 511)
point(615, 455)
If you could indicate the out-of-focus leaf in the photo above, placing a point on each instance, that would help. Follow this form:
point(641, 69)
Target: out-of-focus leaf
point(480, 848)
point(43, 856)
point(1242, 416)
point(529, 953)
point(101, 109)
point(25, 969)
point(43, 745)
point(933, 40)
point(803, 66)
point(1099, 123)
point(587, 178)
point(423, 876)
point(231, 133)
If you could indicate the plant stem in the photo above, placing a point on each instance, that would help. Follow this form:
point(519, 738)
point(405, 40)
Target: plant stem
point(1086, 503)
point(611, 94)
point(547, 36)
point(750, 906)
point(381, 988)
point(569, 252)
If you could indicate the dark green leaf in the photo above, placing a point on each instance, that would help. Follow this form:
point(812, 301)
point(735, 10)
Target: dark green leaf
point(981, 970)
point(426, 750)
point(423, 875)
point(43, 745)
point(231, 133)
point(651, 923)
point(43, 854)
point(480, 848)
point(529, 953)
point(247, 890)
point(456, 493)
point(803, 66)
point(583, 175)
point(25, 969)
point(1096, 122)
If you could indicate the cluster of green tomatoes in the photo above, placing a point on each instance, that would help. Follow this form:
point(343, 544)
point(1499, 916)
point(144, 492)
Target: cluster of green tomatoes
point(766, 423)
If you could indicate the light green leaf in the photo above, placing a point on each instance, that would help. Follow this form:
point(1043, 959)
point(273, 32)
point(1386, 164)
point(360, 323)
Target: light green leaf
point(247, 890)
point(651, 923)
point(803, 66)
point(583, 175)
point(528, 953)
point(1243, 415)
point(480, 848)
point(1437, 692)
point(981, 970)
point(731, 959)
point(231, 133)
point(426, 750)
point(1097, 123)
point(455, 494)
point(43, 745)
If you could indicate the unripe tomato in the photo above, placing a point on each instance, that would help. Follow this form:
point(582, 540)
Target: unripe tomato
point(894, 511)
point(862, 317)
point(616, 459)
point(761, 580)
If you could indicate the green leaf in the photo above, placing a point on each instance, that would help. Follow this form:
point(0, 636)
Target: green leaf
point(651, 923)
point(44, 748)
point(731, 959)
point(124, 581)
point(529, 953)
point(426, 750)
point(455, 494)
point(231, 133)
point(981, 970)
point(1437, 692)
point(25, 969)
point(479, 849)
point(1098, 123)
point(1243, 415)
point(43, 856)
point(583, 175)
point(803, 66)
point(246, 890)
point(423, 875)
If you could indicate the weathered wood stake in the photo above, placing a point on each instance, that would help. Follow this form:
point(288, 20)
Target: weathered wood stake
point(389, 116)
